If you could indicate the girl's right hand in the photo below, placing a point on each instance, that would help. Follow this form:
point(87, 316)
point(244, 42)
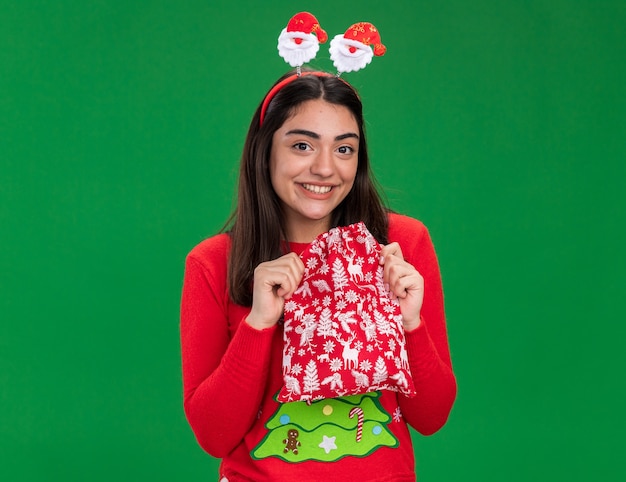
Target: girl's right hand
point(274, 282)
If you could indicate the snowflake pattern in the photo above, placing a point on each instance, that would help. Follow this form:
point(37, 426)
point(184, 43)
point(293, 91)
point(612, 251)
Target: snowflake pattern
point(311, 263)
point(341, 324)
point(397, 415)
point(335, 365)
point(351, 296)
point(329, 346)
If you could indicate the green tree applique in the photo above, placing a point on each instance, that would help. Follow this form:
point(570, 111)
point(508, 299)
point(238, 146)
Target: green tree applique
point(327, 430)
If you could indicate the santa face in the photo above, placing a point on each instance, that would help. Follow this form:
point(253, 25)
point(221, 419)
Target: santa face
point(297, 48)
point(349, 55)
point(313, 164)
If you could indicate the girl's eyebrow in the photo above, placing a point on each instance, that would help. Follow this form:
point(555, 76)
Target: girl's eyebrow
point(314, 135)
point(303, 132)
point(347, 135)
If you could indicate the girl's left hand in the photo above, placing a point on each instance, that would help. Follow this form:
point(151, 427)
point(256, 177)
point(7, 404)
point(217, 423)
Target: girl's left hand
point(405, 282)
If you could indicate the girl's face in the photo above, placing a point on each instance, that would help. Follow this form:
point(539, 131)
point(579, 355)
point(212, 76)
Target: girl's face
point(313, 164)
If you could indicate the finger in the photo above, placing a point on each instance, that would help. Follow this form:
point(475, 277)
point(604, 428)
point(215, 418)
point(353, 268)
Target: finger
point(281, 280)
point(296, 263)
point(288, 271)
point(409, 284)
point(296, 271)
point(399, 276)
point(270, 276)
point(395, 266)
point(287, 288)
point(391, 249)
point(396, 269)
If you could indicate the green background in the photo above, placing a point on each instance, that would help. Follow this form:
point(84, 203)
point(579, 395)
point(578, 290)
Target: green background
point(500, 124)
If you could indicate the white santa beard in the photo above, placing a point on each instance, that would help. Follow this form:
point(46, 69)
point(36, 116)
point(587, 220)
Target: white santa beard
point(297, 54)
point(346, 61)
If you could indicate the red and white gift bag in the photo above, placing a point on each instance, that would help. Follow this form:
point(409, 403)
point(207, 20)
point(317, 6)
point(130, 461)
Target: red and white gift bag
point(343, 334)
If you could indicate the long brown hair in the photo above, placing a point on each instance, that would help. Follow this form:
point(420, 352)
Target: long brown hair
point(256, 227)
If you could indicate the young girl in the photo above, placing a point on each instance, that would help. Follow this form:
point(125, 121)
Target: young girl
point(304, 170)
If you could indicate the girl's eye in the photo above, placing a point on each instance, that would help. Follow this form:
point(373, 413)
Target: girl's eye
point(301, 146)
point(345, 150)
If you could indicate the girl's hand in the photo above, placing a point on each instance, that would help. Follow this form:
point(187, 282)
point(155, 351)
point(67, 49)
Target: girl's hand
point(274, 282)
point(405, 282)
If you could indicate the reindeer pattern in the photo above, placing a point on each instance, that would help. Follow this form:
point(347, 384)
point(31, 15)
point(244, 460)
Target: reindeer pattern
point(343, 334)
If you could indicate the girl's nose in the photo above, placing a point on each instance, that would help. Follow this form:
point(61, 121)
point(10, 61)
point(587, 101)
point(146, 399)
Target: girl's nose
point(323, 164)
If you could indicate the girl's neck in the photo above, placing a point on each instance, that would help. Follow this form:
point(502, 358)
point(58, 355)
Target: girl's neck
point(291, 247)
point(305, 234)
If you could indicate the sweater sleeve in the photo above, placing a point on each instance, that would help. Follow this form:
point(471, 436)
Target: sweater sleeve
point(427, 345)
point(223, 378)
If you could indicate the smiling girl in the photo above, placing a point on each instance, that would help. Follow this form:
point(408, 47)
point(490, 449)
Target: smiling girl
point(304, 170)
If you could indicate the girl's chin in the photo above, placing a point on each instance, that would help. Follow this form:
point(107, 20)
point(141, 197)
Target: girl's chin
point(312, 217)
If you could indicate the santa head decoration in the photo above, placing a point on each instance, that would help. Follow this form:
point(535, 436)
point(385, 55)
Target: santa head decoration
point(299, 41)
point(356, 47)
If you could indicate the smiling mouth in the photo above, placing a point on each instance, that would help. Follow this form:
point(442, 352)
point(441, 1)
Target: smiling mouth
point(317, 189)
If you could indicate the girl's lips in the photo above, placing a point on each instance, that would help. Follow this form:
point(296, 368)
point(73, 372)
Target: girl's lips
point(317, 189)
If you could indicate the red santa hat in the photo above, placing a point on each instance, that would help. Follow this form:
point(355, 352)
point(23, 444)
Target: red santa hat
point(306, 22)
point(367, 34)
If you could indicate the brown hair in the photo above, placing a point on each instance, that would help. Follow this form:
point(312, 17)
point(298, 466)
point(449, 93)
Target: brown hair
point(256, 226)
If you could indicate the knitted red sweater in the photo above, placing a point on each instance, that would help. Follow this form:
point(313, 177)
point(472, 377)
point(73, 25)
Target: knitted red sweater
point(233, 372)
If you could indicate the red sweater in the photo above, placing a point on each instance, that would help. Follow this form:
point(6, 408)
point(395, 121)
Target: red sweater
point(232, 373)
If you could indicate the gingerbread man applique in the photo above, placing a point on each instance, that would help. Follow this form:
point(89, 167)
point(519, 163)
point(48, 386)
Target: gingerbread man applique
point(291, 442)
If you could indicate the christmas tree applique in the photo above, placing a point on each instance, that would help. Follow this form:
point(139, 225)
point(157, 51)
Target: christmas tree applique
point(327, 430)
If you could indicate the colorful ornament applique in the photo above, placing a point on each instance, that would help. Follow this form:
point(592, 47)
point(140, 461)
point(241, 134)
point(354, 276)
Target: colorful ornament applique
point(343, 333)
point(327, 430)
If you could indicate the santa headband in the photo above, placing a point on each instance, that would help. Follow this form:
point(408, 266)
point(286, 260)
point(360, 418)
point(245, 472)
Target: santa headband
point(298, 43)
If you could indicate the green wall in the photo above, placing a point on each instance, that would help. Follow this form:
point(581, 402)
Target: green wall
point(500, 124)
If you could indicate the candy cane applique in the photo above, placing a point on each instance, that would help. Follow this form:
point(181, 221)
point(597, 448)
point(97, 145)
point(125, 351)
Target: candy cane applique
point(359, 427)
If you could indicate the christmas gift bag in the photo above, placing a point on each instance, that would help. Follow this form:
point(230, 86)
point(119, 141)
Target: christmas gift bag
point(343, 333)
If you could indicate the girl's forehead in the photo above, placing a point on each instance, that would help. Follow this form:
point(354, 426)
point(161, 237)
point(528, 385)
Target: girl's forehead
point(324, 115)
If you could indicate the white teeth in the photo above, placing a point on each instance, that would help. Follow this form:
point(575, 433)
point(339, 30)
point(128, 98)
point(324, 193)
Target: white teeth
point(317, 189)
